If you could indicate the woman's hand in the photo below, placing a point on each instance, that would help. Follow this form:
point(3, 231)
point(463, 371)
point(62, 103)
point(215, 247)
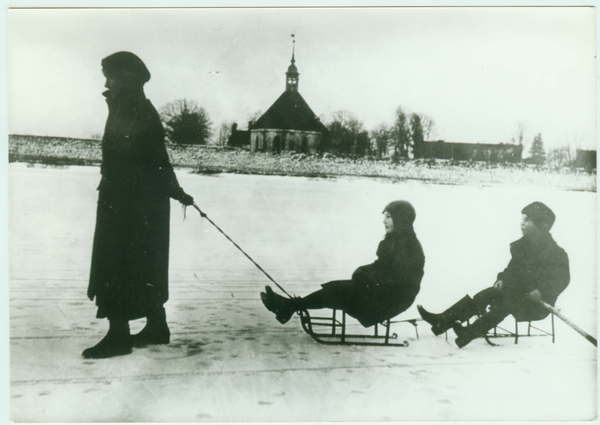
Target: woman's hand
point(186, 199)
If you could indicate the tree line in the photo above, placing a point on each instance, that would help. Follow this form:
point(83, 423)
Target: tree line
point(186, 122)
point(401, 139)
point(562, 156)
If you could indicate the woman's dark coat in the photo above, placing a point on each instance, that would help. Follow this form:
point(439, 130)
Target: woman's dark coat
point(388, 286)
point(130, 259)
point(535, 264)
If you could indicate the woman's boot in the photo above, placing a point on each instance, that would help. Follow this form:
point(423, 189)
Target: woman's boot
point(117, 342)
point(461, 311)
point(156, 330)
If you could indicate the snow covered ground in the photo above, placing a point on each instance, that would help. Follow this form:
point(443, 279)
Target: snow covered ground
point(229, 360)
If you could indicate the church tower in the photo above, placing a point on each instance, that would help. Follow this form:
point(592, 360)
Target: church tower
point(289, 124)
point(292, 75)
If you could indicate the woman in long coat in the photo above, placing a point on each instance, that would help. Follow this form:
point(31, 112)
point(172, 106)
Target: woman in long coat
point(130, 259)
point(377, 291)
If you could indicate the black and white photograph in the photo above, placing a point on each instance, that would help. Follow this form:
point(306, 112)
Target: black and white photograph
point(302, 214)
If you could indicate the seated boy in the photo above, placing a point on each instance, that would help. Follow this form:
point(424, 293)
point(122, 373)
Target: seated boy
point(538, 270)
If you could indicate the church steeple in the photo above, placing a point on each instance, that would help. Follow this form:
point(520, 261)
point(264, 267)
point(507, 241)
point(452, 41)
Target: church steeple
point(292, 75)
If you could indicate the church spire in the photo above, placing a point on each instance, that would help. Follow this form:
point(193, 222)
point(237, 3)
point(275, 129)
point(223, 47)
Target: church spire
point(292, 74)
point(293, 48)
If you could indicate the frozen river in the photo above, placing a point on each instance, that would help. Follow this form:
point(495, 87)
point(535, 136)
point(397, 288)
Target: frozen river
point(229, 359)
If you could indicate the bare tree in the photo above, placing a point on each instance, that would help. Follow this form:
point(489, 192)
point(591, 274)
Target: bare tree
point(348, 120)
point(575, 140)
point(224, 132)
point(564, 156)
point(253, 117)
point(428, 126)
point(416, 135)
point(346, 134)
point(401, 134)
point(518, 135)
point(382, 138)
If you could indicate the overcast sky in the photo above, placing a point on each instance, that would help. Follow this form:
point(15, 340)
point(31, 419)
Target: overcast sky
point(476, 71)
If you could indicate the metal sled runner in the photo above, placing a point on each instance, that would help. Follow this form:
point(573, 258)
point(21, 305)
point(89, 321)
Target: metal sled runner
point(334, 331)
point(499, 332)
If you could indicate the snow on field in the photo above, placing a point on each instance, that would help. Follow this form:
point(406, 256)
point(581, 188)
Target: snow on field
point(229, 360)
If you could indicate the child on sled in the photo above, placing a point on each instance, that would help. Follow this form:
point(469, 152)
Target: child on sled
point(377, 291)
point(538, 270)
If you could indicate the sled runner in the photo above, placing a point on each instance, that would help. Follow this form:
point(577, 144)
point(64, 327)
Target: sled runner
point(334, 331)
point(499, 332)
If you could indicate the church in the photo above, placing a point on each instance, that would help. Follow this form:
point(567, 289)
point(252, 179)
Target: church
point(289, 124)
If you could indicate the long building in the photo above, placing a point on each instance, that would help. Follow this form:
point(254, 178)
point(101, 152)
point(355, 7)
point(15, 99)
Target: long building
point(469, 151)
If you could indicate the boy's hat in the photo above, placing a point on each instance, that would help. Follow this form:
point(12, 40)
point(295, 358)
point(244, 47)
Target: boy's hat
point(402, 212)
point(126, 63)
point(541, 215)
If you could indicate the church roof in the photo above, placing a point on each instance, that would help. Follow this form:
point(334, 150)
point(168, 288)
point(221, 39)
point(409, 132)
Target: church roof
point(290, 112)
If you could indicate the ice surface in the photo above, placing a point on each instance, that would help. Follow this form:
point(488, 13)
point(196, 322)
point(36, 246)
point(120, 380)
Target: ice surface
point(229, 359)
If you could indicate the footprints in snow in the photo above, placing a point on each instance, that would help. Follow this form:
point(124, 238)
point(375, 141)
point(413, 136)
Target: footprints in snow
point(269, 403)
point(192, 347)
point(203, 416)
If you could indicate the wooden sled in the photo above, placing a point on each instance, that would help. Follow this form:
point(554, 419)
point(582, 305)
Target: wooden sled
point(335, 331)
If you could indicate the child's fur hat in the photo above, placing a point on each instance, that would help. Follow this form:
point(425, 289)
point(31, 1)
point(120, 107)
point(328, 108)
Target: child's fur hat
point(541, 215)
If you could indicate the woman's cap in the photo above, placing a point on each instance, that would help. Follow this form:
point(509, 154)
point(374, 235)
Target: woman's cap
point(128, 64)
point(402, 212)
point(540, 214)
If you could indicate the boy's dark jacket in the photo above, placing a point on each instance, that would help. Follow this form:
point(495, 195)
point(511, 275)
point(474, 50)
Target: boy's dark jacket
point(535, 264)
